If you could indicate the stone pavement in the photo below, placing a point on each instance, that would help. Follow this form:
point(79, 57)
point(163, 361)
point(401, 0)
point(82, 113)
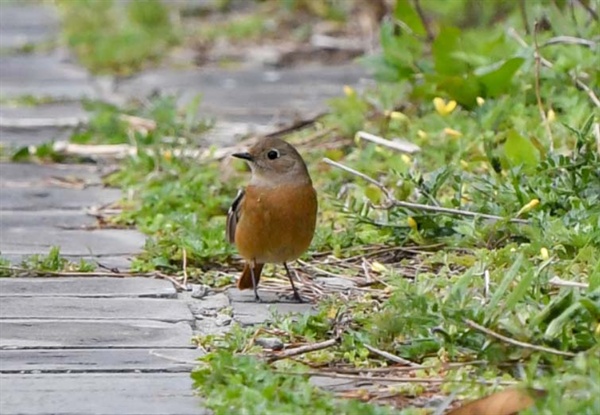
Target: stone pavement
point(98, 344)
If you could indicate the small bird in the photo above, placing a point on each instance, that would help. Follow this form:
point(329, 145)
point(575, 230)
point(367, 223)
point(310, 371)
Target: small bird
point(273, 220)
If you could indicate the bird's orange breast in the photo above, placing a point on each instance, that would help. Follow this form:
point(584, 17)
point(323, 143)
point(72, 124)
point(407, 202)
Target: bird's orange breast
point(276, 224)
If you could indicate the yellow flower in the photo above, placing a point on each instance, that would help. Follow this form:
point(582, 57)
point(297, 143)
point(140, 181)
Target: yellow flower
point(405, 159)
point(412, 223)
point(452, 132)
point(544, 254)
point(168, 155)
point(533, 203)
point(551, 116)
point(349, 91)
point(442, 107)
point(480, 101)
point(395, 115)
point(422, 134)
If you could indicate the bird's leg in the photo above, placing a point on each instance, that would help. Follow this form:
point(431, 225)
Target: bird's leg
point(254, 284)
point(296, 294)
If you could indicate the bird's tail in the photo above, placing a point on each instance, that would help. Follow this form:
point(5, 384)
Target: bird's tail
point(245, 281)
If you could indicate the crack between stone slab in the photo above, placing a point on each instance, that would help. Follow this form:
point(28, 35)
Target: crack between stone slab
point(106, 296)
point(184, 369)
point(96, 347)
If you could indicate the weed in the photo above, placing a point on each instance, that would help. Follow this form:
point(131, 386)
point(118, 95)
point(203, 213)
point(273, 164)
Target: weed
point(53, 262)
point(117, 37)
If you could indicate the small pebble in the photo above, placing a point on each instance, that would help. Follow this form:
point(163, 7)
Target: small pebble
point(223, 320)
point(272, 343)
point(199, 290)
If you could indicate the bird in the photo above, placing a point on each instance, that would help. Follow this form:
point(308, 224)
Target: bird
point(272, 220)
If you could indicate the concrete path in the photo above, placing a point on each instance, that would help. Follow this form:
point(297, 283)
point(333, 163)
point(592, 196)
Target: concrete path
point(97, 344)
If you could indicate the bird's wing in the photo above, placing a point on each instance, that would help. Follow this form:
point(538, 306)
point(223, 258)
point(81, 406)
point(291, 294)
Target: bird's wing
point(233, 215)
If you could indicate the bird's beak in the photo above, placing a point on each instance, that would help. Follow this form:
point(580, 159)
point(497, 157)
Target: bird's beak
point(245, 156)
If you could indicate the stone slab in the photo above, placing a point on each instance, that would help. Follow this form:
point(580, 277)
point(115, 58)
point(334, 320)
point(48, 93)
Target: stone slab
point(66, 308)
point(26, 23)
point(215, 325)
point(207, 305)
point(65, 219)
point(49, 110)
point(99, 394)
point(252, 94)
point(23, 174)
point(98, 360)
point(50, 75)
point(335, 384)
point(88, 286)
point(44, 198)
point(18, 137)
point(81, 243)
point(247, 296)
point(228, 133)
point(248, 314)
point(90, 334)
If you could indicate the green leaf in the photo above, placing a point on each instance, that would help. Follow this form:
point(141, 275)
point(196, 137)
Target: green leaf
point(381, 69)
point(446, 44)
point(520, 151)
point(595, 278)
point(399, 50)
point(497, 78)
point(408, 15)
point(22, 154)
point(593, 307)
point(520, 290)
point(557, 305)
point(464, 89)
point(510, 276)
point(556, 326)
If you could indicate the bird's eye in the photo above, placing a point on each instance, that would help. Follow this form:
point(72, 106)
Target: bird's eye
point(273, 154)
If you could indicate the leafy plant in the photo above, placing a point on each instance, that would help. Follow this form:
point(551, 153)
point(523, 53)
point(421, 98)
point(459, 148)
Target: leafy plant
point(54, 262)
point(243, 384)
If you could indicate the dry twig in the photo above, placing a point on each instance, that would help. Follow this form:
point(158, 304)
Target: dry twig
point(389, 356)
point(184, 265)
point(395, 379)
point(580, 84)
point(517, 343)
point(391, 201)
point(559, 282)
point(570, 40)
point(397, 144)
point(296, 351)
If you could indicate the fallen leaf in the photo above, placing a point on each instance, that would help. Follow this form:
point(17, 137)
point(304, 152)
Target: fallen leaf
point(506, 402)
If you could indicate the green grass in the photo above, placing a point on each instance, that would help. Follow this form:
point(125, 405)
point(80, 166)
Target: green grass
point(117, 37)
point(51, 263)
point(491, 153)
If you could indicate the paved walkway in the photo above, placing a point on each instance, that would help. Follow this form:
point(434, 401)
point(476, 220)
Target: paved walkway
point(103, 345)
